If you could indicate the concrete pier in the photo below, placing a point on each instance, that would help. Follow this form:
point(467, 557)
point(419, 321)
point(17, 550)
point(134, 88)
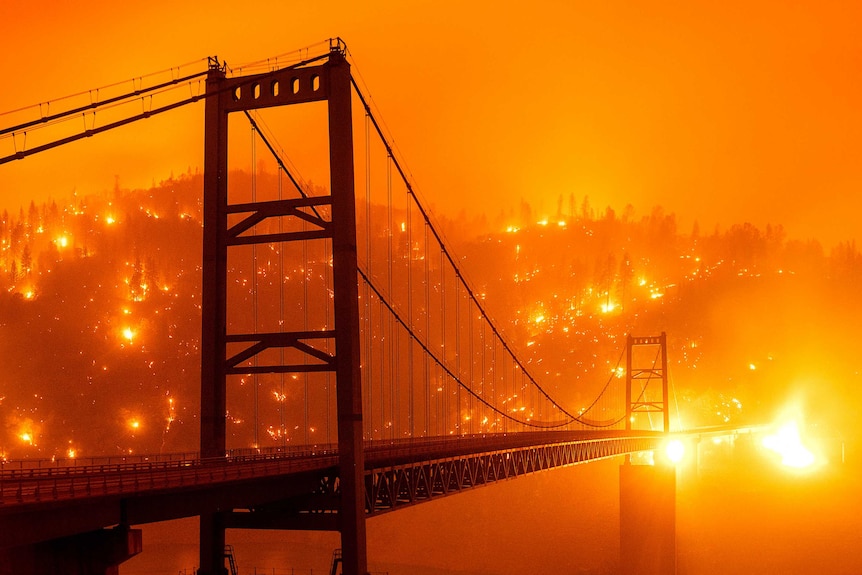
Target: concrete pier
point(647, 520)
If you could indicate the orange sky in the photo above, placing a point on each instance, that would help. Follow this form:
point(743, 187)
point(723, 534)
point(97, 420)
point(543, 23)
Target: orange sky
point(737, 111)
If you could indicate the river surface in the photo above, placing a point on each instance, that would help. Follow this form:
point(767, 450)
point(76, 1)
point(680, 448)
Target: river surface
point(735, 514)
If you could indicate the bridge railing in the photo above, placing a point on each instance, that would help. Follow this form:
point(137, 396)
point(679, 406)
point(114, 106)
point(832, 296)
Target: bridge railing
point(33, 484)
point(30, 481)
point(113, 460)
point(405, 445)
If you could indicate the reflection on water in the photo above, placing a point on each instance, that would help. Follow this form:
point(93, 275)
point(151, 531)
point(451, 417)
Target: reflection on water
point(747, 513)
point(739, 513)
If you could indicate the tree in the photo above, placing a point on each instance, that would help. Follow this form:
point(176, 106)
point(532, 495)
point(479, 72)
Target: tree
point(526, 213)
point(136, 281)
point(26, 261)
point(33, 220)
point(626, 275)
point(586, 210)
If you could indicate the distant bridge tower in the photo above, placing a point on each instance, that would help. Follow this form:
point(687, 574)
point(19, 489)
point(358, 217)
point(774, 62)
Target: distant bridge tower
point(647, 492)
point(641, 369)
point(227, 226)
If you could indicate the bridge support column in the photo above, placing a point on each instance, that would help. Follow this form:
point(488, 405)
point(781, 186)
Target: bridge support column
point(94, 553)
point(351, 454)
point(647, 520)
point(212, 541)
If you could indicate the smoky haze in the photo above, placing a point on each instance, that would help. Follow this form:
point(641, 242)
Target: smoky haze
point(101, 324)
point(101, 328)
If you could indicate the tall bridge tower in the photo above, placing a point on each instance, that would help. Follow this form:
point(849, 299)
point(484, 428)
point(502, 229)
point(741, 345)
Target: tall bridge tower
point(640, 371)
point(227, 226)
point(647, 492)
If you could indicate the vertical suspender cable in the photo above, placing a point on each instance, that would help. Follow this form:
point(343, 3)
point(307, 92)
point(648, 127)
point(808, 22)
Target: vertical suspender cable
point(458, 419)
point(307, 275)
point(444, 399)
point(328, 285)
point(410, 414)
point(369, 332)
point(282, 398)
point(254, 287)
point(484, 349)
point(494, 377)
point(472, 365)
point(391, 321)
point(427, 262)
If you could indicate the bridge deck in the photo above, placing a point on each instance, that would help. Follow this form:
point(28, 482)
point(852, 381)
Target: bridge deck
point(280, 485)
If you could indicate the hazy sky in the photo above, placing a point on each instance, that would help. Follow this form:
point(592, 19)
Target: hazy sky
point(722, 112)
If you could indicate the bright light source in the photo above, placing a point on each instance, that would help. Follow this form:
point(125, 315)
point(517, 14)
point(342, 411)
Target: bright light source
point(787, 443)
point(675, 450)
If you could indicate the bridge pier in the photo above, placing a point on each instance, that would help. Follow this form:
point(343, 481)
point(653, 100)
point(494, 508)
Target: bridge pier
point(95, 553)
point(647, 519)
point(212, 541)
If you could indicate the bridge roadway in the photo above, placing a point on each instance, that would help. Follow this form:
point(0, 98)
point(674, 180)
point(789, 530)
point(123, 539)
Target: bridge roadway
point(278, 488)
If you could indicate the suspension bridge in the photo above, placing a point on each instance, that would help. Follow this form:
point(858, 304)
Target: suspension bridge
point(386, 350)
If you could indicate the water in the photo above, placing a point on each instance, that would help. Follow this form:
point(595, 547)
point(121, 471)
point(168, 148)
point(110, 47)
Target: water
point(738, 516)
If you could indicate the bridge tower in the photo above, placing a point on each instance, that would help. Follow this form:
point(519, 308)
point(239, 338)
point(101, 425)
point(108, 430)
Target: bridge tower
point(226, 226)
point(647, 492)
point(644, 368)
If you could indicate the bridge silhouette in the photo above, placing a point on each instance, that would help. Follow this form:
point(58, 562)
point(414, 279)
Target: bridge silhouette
point(388, 345)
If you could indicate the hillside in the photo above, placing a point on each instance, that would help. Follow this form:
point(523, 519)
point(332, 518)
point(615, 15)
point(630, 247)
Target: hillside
point(100, 317)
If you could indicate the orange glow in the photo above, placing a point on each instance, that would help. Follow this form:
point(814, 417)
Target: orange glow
point(608, 307)
point(675, 450)
point(721, 86)
point(787, 443)
point(172, 414)
point(27, 431)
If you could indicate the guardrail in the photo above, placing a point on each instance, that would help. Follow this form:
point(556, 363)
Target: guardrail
point(21, 483)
